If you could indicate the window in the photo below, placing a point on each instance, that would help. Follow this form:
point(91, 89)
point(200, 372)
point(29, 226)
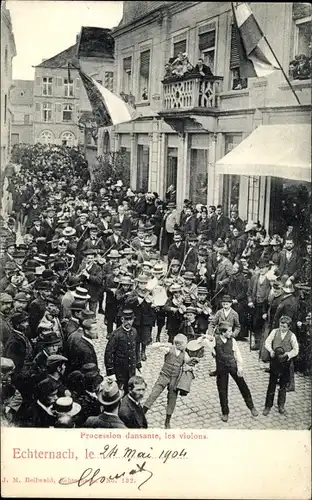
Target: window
point(179, 46)
point(303, 36)
point(47, 86)
point(207, 44)
point(46, 137)
point(6, 60)
point(14, 139)
point(67, 113)
point(68, 88)
point(68, 139)
point(109, 80)
point(172, 168)
point(5, 107)
point(237, 82)
point(199, 175)
point(26, 119)
point(47, 112)
point(231, 183)
point(127, 82)
point(143, 167)
point(144, 75)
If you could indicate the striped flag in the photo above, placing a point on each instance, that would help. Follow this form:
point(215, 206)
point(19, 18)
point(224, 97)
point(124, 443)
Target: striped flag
point(108, 109)
point(256, 57)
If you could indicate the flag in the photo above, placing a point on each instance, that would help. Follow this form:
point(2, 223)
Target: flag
point(108, 109)
point(256, 57)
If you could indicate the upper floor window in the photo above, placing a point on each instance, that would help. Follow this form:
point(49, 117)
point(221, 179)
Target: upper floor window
point(109, 80)
point(67, 113)
point(127, 82)
point(144, 74)
point(300, 66)
point(207, 44)
point(237, 82)
point(47, 85)
point(26, 119)
point(47, 112)
point(179, 46)
point(6, 60)
point(68, 88)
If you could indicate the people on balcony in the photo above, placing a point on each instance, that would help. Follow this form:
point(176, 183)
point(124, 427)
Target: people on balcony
point(202, 68)
point(300, 68)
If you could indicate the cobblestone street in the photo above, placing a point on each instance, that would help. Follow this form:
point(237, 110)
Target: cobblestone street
point(201, 409)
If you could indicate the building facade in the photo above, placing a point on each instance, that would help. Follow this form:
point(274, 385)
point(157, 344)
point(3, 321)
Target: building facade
point(22, 112)
point(61, 106)
point(8, 52)
point(188, 125)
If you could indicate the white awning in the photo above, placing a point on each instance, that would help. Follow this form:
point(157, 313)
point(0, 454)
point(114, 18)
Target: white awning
point(272, 150)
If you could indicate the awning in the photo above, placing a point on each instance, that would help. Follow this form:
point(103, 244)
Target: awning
point(272, 150)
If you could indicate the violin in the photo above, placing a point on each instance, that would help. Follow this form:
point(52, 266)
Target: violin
point(145, 295)
point(178, 302)
point(204, 308)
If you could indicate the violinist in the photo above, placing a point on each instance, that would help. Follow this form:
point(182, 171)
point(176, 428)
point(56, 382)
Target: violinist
point(127, 262)
point(140, 300)
point(112, 283)
point(203, 310)
point(91, 277)
point(174, 309)
point(160, 291)
point(123, 291)
point(188, 325)
point(173, 274)
point(189, 287)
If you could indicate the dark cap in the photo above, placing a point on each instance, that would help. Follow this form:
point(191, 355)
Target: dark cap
point(19, 318)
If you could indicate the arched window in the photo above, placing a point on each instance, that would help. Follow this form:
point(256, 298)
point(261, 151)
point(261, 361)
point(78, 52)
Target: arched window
point(6, 60)
point(46, 137)
point(68, 139)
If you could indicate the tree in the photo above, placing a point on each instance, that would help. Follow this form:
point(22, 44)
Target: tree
point(114, 165)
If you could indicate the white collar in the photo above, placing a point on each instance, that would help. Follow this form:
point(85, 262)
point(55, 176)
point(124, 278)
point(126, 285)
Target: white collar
point(87, 339)
point(45, 408)
point(134, 401)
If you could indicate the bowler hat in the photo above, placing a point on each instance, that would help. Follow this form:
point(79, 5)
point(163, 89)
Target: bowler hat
point(49, 338)
point(109, 393)
point(66, 406)
point(78, 305)
point(226, 298)
point(92, 373)
point(192, 237)
point(142, 278)
point(19, 318)
point(88, 323)
point(86, 314)
point(48, 275)
point(22, 297)
point(263, 263)
point(43, 285)
point(30, 265)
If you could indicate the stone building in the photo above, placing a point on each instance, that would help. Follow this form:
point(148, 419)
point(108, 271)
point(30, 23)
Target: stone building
point(61, 105)
point(8, 52)
point(188, 124)
point(22, 112)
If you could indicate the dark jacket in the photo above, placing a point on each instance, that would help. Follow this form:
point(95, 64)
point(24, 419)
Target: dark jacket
point(111, 243)
point(175, 252)
point(5, 329)
point(94, 283)
point(80, 352)
point(288, 306)
point(105, 421)
point(132, 414)
point(121, 356)
point(19, 349)
point(36, 310)
point(238, 287)
point(144, 314)
point(252, 288)
point(39, 417)
point(189, 225)
point(291, 267)
point(222, 227)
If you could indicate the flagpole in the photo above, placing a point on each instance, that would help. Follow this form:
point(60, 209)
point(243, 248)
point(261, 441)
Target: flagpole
point(278, 62)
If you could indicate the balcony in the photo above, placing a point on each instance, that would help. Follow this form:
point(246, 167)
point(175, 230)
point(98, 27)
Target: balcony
point(192, 92)
point(195, 98)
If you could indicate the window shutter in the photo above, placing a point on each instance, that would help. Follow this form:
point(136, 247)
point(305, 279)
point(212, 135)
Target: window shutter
point(58, 112)
point(207, 40)
point(127, 64)
point(59, 81)
point(179, 47)
point(38, 106)
point(78, 83)
point(145, 63)
point(38, 81)
point(234, 57)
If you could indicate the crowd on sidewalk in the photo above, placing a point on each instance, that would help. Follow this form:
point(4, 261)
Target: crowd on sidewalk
point(72, 255)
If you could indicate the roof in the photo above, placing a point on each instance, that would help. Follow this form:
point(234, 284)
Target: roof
point(272, 150)
point(95, 42)
point(60, 60)
point(22, 92)
point(135, 10)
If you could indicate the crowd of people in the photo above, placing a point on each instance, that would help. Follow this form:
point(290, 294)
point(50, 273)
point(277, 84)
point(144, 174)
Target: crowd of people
point(77, 263)
point(180, 66)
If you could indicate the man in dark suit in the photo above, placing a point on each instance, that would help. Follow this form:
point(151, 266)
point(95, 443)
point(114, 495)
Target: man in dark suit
point(124, 221)
point(104, 224)
point(41, 413)
point(236, 221)
point(109, 397)
point(115, 242)
point(189, 225)
point(91, 277)
point(176, 249)
point(121, 356)
point(130, 410)
point(202, 68)
point(80, 349)
point(222, 224)
point(289, 261)
point(288, 306)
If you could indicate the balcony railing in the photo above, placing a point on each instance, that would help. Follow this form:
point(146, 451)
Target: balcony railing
point(192, 91)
